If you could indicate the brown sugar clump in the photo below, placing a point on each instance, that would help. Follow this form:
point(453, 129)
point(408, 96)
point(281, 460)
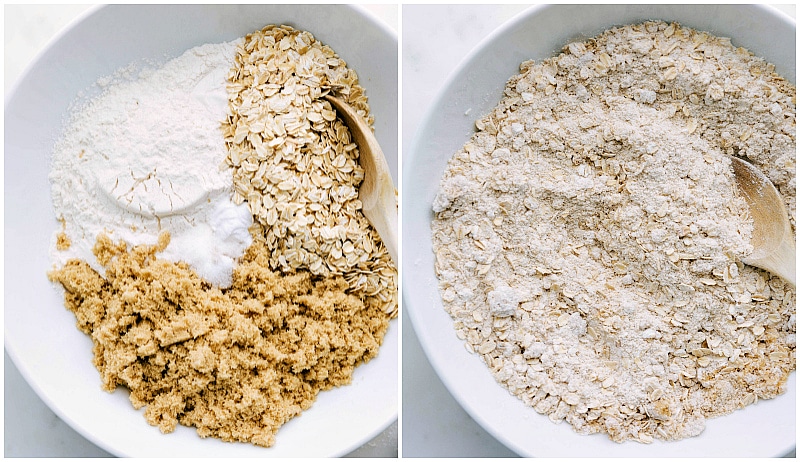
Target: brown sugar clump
point(62, 241)
point(235, 363)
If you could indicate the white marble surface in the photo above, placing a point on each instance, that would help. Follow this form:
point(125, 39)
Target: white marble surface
point(31, 428)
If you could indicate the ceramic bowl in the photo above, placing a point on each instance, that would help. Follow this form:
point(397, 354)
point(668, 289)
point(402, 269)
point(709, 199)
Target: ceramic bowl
point(473, 89)
point(40, 334)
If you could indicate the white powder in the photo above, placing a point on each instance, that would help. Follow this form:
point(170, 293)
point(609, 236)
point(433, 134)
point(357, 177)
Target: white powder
point(146, 156)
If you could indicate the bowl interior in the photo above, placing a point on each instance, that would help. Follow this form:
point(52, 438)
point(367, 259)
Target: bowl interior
point(53, 356)
point(765, 429)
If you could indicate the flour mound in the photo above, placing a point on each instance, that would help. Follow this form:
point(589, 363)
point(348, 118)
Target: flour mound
point(144, 157)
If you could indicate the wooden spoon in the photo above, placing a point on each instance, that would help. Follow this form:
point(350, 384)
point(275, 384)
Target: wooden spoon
point(773, 241)
point(377, 192)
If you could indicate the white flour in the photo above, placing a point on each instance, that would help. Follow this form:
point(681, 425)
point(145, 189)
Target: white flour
point(146, 156)
point(589, 237)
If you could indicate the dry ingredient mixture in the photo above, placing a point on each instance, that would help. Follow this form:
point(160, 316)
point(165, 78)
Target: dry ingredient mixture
point(150, 175)
point(296, 165)
point(589, 236)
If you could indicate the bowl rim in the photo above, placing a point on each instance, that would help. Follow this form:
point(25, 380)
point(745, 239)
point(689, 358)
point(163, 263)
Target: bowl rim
point(67, 29)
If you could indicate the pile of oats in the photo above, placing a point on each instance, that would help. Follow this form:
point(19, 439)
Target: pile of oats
point(589, 236)
point(296, 166)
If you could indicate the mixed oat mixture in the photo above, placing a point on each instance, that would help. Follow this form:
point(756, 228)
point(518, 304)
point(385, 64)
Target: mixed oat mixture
point(589, 235)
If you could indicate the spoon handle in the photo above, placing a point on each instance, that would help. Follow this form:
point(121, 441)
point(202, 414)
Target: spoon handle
point(377, 192)
point(783, 261)
point(772, 239)
point(382, 213)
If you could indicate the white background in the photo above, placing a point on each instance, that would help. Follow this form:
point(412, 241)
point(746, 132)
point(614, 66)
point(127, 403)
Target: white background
point(434, 40)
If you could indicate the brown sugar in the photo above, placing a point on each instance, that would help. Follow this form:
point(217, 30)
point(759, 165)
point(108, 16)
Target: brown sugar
point(62, 241)
point(235, 363)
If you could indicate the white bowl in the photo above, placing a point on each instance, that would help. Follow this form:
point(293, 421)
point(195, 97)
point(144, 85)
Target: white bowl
point(765, 429)
point(40, 334)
